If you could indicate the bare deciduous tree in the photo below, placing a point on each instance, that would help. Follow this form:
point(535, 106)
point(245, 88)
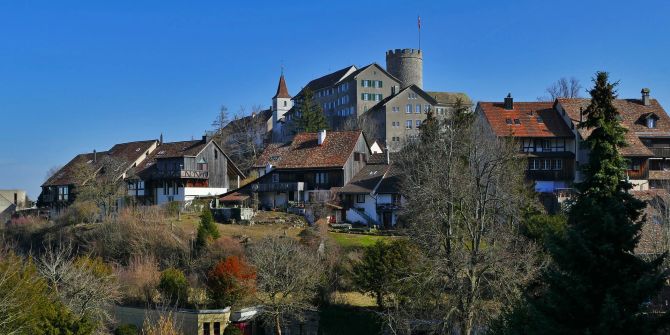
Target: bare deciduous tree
point(287, 276)
point(243, 139)
point(101, 183)
point(52, 171)
point(84, 285)
point(563, 88)
point(464, 192)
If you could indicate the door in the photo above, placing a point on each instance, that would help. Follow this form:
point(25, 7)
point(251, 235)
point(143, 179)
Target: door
point(386, 220)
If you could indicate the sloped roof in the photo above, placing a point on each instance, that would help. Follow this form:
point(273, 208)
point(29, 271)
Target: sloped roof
point(535, 119)
point(305, 152)
point(329, 79)
point(126, 153)
point(179, 149)
point(282, 90)
point(366, 180)
point(450, 98)
point(66, 175)
point(379, 67)
point(412, 87)
point(630, 111)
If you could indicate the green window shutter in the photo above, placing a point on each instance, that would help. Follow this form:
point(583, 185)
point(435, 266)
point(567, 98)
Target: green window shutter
point(362, 83)
point(380, 84)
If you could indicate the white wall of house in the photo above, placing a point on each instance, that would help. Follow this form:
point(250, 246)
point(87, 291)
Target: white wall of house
point(187, 193)
point(639, 184)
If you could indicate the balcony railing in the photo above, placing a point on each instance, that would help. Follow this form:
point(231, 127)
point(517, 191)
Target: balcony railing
point(661, 152)
point(278, 187)
point(186, 174)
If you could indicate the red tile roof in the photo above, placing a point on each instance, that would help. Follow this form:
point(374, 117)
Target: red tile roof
point(126, 153)
point(524, 120)
point(282, 91)
point(305, 152)
point(631, 111)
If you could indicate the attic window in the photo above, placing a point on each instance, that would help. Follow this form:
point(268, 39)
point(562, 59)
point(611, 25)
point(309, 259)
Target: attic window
point(651, 122)
point(539, 119)
point(508, 121)
point(517, 121)
point(137, 150)
point(274, 158)
point(162, 152)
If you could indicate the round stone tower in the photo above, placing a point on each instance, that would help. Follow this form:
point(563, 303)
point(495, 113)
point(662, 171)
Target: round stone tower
point(406, 65)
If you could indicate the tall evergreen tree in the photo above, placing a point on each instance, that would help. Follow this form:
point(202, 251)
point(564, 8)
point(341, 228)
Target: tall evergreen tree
point(596, 284)
point(312, 118)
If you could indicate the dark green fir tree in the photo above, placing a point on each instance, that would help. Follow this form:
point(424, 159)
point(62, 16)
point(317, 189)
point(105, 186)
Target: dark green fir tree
point(312, 118)
point(596, 284)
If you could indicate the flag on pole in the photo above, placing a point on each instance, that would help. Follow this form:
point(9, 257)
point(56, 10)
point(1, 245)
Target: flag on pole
point(419, 21)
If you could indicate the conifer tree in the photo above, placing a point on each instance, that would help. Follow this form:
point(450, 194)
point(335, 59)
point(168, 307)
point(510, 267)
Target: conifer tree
point(596, 284)
point(312, 118)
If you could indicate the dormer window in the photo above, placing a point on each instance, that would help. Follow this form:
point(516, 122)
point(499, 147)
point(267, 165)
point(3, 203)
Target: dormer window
point(508, 121)
point(651, 122)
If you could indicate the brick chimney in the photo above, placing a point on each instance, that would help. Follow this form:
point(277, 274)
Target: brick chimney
point(509, 102)
point(321, 136)
point(645, 97)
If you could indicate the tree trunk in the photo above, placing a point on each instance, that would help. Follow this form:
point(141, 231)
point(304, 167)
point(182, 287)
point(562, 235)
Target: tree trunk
point(277, 325)
point(380, 299)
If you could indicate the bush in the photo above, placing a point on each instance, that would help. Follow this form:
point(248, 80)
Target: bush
point(139, 279)
point(207, 228)
point(231, 329)
point(174, 286)
point(127, 329)
point(230, 281)
point(172, 208)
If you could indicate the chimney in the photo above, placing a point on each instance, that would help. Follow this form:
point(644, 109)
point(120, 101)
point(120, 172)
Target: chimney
point(95, 156)
point(645, 97)
point(509, 102)
point(321, 136)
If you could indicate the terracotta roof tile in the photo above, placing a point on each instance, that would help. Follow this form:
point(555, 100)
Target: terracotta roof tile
point(631, 111)
point(305, 152)
point(282, 91)
point(527, 119)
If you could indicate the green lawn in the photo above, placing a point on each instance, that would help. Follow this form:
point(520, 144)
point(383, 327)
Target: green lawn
point(348, 241)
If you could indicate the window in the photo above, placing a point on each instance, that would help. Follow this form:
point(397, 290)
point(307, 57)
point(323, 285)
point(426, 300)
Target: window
point(634, 165)
point(321, 178)
point(508, 121)
point(557, 164)
point(651, 122)
point(63, 193)
point(216, 154)
point(395, 199)
point(205, 328)
point(533, 164)
point(408, 109)
point(395, 109)
point(284, 103)
point(517, 121)
point(408, 124)
point(360, 198)
point(418, 109)
point(275, 177)
point(140, 185)
point(217, 328)
point(426, 108)
point(418, 123)
point(539, 119)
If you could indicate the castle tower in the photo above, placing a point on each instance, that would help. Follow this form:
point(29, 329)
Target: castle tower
point(281, 103)
point(406, 65)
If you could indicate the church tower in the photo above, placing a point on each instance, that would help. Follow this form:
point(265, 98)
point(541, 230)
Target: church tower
point(281, 103)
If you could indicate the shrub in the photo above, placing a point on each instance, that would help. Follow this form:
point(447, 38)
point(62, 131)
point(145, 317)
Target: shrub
point(207, 228)
point(139, 279)
point(230, 281)
point(172, 208)
point(173, 286)
point(231, 329)
point(126, 329)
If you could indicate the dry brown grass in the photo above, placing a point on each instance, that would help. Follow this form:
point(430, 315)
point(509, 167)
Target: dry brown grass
point(353, 299)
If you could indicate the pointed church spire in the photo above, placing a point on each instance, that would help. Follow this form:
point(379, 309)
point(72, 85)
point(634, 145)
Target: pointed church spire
point(282, 91)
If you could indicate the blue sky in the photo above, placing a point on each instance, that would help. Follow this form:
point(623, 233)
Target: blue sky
point(82, 75)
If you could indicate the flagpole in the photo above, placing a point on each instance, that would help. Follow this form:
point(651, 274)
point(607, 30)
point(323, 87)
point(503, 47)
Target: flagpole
point(419, 24)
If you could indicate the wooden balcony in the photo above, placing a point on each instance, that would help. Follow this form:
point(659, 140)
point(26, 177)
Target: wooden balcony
point(181, 174)
point(661, 152)
point(279, 187)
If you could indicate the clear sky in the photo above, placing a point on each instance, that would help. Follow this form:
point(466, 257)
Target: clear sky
point(82, 75)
